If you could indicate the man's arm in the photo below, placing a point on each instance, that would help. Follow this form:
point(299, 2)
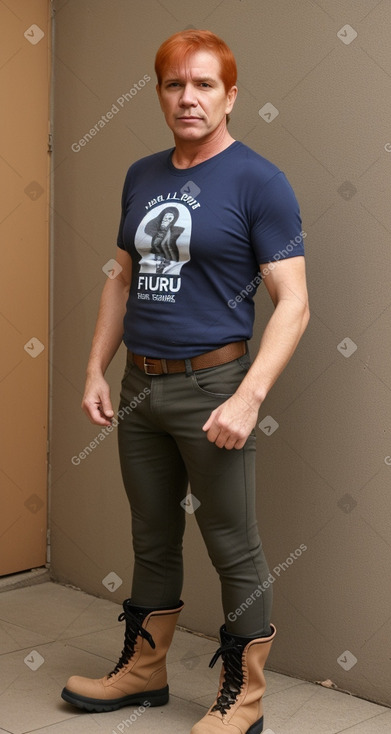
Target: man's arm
point(107, 338)
point(232, 422)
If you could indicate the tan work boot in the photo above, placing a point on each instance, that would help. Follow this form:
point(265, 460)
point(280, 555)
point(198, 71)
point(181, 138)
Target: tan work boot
point(238, 706)
point(140, 676)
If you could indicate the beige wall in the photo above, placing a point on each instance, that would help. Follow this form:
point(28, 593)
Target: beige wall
point(323, 474)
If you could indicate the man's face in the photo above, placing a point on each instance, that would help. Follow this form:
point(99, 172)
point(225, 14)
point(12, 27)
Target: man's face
point(193, 97)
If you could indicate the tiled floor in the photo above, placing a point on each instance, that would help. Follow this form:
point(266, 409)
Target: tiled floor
point(48, 632)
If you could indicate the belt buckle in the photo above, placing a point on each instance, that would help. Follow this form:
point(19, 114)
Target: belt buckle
point(163, 369)
point(146, 365)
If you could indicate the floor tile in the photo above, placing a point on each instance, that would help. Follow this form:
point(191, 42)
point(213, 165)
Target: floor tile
point(107, 643)
point(31, 682)
point(177, 717)
point(276, 682)
point(185, 646)
point(57, 611)
point(311, 708)
point(379, 724)
point(14, 637)
point(194, 680)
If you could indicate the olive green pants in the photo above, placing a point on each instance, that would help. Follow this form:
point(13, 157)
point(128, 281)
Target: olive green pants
point(162, 449)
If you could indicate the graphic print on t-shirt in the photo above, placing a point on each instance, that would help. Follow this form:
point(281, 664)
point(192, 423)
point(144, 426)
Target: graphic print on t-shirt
point(162, 239)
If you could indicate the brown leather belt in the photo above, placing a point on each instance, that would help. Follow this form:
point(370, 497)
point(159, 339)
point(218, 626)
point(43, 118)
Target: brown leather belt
point(152, 366)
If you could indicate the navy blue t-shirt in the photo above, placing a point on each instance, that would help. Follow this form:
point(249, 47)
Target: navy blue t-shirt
point(197, 237)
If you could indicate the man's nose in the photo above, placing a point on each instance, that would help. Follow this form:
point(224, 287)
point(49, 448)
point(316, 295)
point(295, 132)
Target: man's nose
point(188, 96)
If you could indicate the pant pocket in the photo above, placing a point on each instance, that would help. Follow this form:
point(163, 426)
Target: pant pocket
point(221, 381)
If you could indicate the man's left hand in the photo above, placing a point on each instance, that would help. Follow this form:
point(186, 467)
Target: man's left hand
point(230, 425)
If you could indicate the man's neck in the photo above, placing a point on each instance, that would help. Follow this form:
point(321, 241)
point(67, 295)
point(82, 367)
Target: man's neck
point(190, 153)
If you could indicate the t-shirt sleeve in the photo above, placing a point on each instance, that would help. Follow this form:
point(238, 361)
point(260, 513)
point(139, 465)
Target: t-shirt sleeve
point(276, 231)
point(124, 197)
point(120, 241)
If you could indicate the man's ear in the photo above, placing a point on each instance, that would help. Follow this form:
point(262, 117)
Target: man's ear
point(231, 97)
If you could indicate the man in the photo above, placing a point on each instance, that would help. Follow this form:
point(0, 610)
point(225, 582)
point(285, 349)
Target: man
point(186, 338)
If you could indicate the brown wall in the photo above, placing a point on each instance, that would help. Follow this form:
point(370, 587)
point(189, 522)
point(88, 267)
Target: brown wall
point(24, 290)
point(324, 475)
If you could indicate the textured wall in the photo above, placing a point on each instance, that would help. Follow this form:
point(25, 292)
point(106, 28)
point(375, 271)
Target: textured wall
point(314, 97)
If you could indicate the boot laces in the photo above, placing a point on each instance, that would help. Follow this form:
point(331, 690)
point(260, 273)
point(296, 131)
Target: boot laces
point(133, 629)
point(231, 654)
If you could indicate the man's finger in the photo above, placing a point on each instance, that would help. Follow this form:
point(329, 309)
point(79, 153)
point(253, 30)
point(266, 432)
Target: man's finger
point(95, 413)
point(106, 409)
point(208, 423)
point(212, 435)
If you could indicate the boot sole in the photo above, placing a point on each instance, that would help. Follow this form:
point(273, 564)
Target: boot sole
point(256, 728)
point(96, 705)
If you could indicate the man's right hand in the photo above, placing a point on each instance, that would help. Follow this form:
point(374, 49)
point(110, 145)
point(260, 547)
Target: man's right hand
point(96, 401)
point(108, 336)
